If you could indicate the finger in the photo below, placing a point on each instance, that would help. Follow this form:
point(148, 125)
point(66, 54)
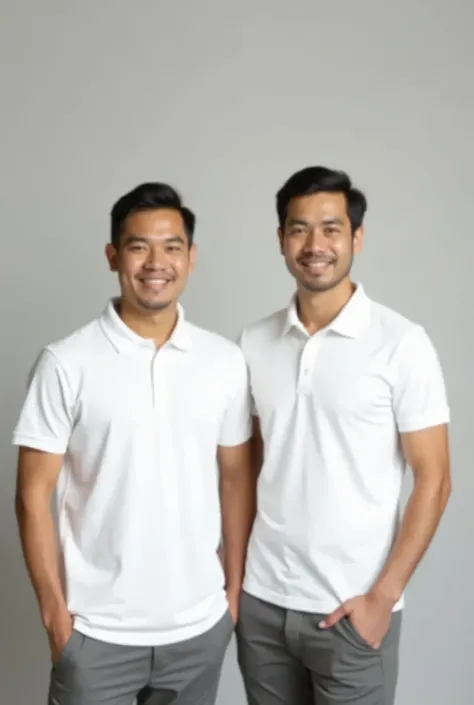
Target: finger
point(334, 617)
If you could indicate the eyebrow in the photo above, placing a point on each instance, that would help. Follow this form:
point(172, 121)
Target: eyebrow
point(332, 221)
point(297, 221)
point(325, 221)
point(134, 239)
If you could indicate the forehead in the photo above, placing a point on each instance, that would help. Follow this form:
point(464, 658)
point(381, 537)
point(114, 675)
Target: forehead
point(318, 206)
point(157, 221)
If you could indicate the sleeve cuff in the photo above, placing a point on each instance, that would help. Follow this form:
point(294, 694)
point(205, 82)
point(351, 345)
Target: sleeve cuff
point(418, 423)
point(48, 445)
point(238, 440)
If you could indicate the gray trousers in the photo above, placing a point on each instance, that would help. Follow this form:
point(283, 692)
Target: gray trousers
point(92, 672)
point(286, 659)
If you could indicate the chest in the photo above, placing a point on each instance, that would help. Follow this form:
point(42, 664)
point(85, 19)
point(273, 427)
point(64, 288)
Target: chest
point(128, 392)
point(330, 376)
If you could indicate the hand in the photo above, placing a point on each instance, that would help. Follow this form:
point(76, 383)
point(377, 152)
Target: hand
point(369, 614)
point(59, 629)
point(233, 598)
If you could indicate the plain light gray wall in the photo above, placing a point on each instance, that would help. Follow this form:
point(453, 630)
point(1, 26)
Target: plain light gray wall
point(225, 100)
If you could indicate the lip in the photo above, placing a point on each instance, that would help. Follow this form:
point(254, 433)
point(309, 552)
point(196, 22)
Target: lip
point(155, 284)
point(316, 267)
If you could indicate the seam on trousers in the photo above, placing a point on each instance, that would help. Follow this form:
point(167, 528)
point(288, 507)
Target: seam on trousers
point(384, 690)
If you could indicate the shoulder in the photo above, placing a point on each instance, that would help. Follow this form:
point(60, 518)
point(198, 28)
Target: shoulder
point(391, 324)
point(213, 346)
point(68, 353)
point(395, 329)
point(263, 331)
point(407, 340)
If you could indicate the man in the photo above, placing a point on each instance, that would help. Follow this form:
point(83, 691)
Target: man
point(139, 420)
point(346, 393)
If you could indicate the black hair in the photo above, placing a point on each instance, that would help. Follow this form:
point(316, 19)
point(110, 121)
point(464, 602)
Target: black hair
point(317, 179)
point(149, 196)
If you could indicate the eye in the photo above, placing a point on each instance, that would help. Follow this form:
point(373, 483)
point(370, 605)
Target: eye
point(136, 248)
point(173, 248)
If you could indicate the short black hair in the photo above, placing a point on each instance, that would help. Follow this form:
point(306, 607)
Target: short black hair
point(317, 179)
point(149, 196)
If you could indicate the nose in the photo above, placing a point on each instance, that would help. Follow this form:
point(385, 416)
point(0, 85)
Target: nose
point(315, 241)
point(156, 258)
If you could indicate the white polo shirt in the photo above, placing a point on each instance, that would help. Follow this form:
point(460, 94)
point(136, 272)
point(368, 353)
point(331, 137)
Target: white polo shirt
point(138, 500)
point(331, 407)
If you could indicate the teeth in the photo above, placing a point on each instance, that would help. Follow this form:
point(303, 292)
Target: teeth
point(317, 265)
point(155, 284)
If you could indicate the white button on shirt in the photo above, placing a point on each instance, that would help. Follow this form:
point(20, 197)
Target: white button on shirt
point(138, 502)
point(331, 407)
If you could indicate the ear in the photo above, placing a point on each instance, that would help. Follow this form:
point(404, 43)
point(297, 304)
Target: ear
point(112, 257)
point(280, 239)
point(358, 239)
point(192, 257)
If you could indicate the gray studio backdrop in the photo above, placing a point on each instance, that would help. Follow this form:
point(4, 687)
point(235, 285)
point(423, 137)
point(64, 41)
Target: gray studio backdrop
point(225, 100)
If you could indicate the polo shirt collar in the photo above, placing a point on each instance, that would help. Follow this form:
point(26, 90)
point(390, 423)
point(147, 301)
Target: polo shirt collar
point(124, 338)
point(348, 323)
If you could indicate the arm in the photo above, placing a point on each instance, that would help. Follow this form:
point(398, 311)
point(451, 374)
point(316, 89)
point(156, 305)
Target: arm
point(237, 485)
point(427, 453)
point(36, 479)
point(237, 493)
point(422, 414)
point(42, 435)
point(256, 449)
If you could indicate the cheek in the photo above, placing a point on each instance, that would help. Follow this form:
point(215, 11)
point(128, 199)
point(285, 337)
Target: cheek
point(290, 252)
point(182, 267)
point(342, 250)
point(130, 269)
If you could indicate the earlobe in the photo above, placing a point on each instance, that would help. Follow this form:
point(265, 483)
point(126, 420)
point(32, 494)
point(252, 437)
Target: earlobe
point(358, 239)
point(111, 254)
point(192, 256)
point(280, 239)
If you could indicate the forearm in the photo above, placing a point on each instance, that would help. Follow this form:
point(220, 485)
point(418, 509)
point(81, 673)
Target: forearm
point(256, 451)
point(38, 540)
point(238, 512)
point(420, 521)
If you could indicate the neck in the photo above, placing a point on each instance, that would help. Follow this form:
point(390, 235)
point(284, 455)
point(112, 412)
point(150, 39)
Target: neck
point(151, 325)
point(316, 310)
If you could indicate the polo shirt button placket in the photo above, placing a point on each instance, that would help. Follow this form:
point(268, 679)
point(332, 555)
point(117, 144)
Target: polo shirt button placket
point(155, 379)
point(306, 366)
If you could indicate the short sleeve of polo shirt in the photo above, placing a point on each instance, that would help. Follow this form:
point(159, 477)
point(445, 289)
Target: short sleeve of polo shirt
point(46, 419)
point(419, 392)
point(241, 342)
point(237, 427)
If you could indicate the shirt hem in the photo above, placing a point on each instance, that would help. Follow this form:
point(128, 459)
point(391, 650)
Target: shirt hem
point(300, 604)
point(158, 638)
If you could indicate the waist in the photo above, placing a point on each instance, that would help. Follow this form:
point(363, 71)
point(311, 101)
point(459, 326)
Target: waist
point(146, 624)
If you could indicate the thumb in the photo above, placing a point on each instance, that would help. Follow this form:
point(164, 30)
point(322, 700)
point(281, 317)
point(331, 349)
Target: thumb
point(335, 616)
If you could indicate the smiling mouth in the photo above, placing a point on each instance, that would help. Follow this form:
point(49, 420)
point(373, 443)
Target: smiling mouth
point(316, 267)
point(155, 284)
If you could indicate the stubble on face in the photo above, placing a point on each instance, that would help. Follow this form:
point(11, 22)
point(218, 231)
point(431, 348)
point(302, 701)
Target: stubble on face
point(317, 241)
point(153, 261)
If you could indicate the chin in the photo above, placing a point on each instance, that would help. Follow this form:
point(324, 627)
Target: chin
point(153, 306)
point(318, 285)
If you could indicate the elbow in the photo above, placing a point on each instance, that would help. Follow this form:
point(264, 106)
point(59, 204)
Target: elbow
point(445, 491)
point(30, 503)
point(21, 505)
point(20, 509)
